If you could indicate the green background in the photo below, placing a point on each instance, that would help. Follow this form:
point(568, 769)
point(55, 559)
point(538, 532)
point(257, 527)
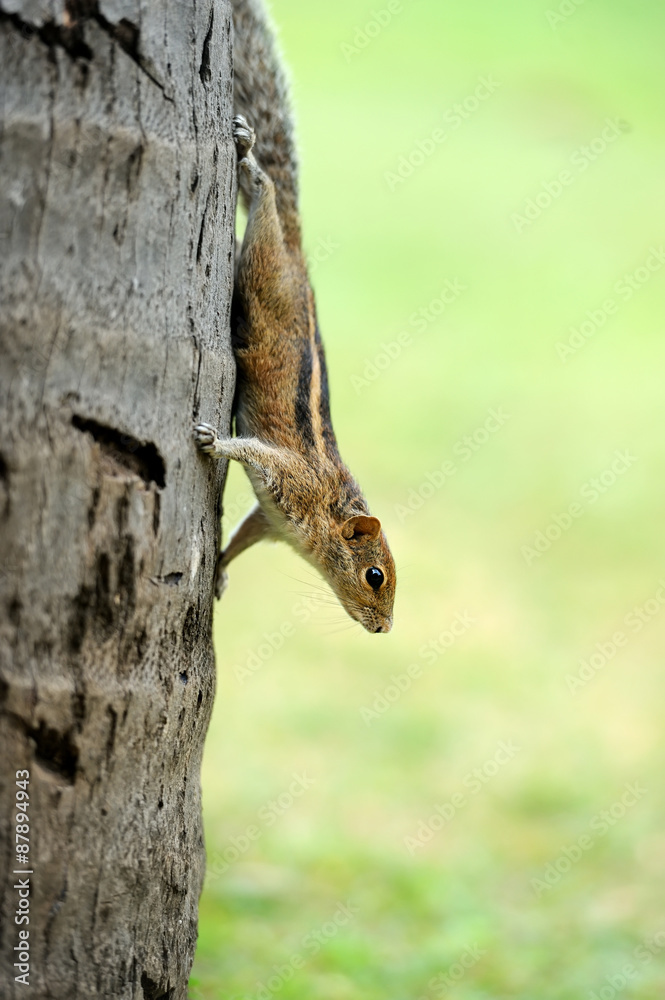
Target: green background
point(470, 913)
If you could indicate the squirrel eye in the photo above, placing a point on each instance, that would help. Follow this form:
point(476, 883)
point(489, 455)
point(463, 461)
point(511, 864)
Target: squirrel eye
point(374, 577)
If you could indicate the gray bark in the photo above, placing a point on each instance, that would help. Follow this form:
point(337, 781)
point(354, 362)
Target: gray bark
point(116, 220)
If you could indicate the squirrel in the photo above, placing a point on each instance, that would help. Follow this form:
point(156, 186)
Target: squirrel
point(285, 440)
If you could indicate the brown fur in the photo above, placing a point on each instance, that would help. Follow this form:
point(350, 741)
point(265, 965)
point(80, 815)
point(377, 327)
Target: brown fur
point(306, 495)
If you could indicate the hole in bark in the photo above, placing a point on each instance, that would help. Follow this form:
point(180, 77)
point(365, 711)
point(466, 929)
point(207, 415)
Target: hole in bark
point(134, 163)
point(55, 751)
point(156, 513)
point(15, 608)
point(199, 245)
point(4, 486)
point(127, 35)
point(141, 643)
point(204, 69)
point(124, 32)
point(95, 607)
point(127, 576)
point(199, 700)
point(172, 579)
point(140, 458)
point(69, 38)
point(110, 739)
point(83, 71)
point(183, 677)
point(190, 627)
point(121, 511)
point(92, 510)
point(153, 991)
point(78, 623)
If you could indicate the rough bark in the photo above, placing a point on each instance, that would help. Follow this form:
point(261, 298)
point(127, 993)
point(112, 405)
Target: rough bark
point(116, 221)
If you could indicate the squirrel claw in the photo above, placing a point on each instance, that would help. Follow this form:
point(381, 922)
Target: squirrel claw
point(205, 435)
point(244, 136)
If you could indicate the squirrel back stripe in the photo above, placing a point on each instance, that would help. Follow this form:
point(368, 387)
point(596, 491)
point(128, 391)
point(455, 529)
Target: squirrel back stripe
point(261, 94)
point(304, 401)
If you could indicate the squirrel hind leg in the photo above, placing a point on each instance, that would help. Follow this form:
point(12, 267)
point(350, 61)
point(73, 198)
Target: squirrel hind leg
point(253, 529)
point(251, 177)
point(244, 136)
point(254, 178)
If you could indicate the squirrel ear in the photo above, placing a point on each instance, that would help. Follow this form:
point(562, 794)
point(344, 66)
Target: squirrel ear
point(361, 528)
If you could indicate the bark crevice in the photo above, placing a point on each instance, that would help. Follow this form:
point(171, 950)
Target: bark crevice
point(140, 458)
point(70, 36)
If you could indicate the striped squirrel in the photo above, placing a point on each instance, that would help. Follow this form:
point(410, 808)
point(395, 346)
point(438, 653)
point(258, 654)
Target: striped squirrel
point(285, 440)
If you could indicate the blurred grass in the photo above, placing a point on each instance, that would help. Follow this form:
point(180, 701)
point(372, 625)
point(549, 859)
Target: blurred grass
point(467, 895)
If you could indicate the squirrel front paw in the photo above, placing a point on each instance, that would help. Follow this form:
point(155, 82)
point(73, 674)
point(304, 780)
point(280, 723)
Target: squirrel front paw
point(244, 136)
point(205, 436)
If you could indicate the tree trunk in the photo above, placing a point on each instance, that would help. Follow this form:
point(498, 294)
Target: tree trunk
point(116, 220)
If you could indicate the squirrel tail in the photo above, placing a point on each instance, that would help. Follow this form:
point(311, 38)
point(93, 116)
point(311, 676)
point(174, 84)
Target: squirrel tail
point(261, 94)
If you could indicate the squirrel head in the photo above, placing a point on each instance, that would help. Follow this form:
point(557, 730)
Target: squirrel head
point(361, 571)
